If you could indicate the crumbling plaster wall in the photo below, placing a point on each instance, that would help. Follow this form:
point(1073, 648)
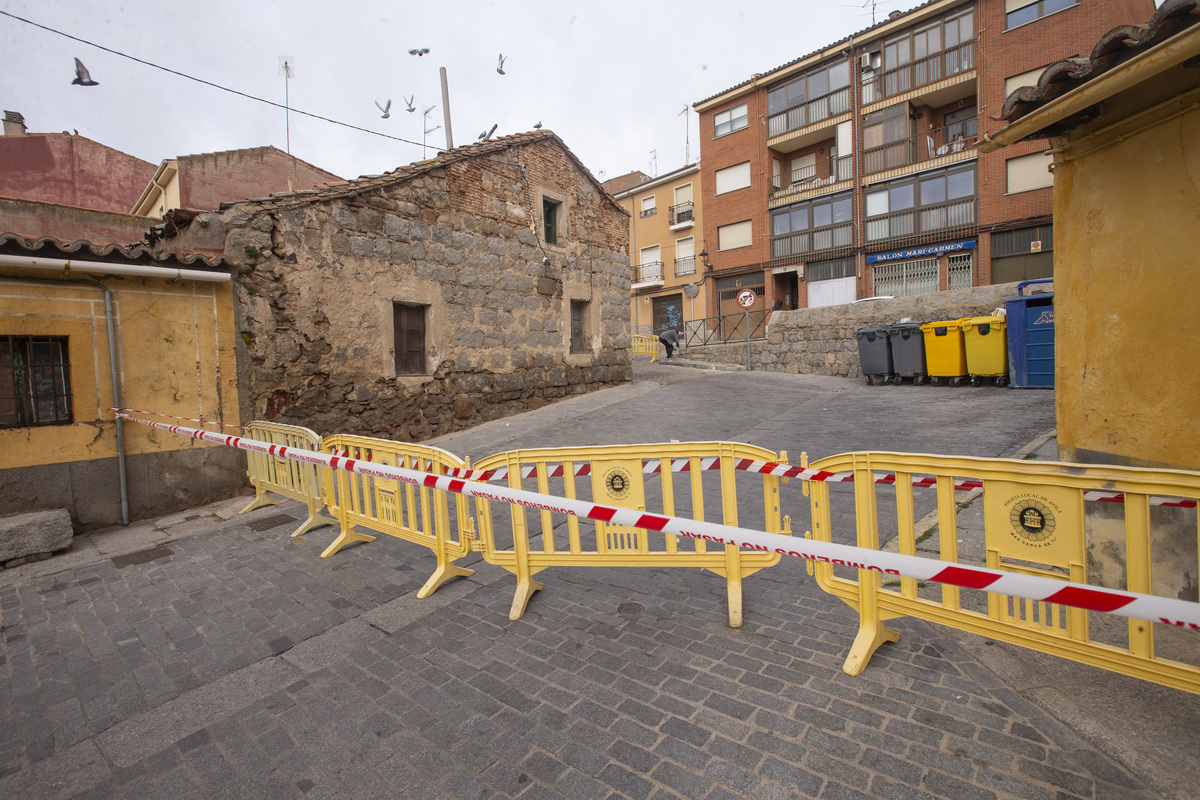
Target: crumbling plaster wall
point(316, 298)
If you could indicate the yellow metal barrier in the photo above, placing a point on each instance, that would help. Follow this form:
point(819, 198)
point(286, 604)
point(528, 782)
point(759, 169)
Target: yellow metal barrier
point(646, 345)
point(649, 477)
point(416, 514)
point(293, 479)
point(1041, 518)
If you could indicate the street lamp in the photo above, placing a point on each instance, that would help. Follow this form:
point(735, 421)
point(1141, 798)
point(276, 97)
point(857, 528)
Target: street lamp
point(704, 260)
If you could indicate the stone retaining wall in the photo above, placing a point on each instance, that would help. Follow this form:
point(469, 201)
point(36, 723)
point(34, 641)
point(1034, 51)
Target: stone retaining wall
point(821, 341)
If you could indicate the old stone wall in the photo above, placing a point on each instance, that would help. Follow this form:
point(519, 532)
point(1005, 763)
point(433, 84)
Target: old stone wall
point(321, 281)
point(821, 341)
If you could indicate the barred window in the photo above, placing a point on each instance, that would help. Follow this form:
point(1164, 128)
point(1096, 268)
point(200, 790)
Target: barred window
point(35, 381)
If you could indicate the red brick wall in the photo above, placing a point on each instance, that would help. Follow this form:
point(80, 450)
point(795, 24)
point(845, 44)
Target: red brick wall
point(209, 179)
point(32, 219)
point(72, 171)
point(748, 144)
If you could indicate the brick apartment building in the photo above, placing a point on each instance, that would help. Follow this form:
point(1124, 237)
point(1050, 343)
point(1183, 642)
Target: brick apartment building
point(852, 171)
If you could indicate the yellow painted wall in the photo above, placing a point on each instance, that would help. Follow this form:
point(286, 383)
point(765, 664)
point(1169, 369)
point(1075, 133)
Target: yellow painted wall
point(175, 356)
point(656, 229)
point(1127, 294)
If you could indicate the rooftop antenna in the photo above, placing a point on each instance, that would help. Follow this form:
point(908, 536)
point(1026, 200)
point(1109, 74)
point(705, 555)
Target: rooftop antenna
point(428, 130)
point(286, 69)
point(654, 163)
point(687, 132)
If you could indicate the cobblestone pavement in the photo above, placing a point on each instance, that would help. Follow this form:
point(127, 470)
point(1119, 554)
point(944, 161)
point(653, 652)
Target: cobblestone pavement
point(233, 662)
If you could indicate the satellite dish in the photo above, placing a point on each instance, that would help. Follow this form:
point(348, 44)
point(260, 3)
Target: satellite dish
point(691, 290)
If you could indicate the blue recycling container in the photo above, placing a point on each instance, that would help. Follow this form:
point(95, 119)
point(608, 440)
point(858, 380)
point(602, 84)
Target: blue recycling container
point(1031, 338)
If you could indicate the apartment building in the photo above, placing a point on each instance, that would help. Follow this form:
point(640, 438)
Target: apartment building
point(666, 265)
point(852, 171)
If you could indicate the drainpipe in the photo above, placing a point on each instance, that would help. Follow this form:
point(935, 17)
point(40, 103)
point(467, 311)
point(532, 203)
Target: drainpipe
point(856, 86)
point(67, 266)
point(116, 384)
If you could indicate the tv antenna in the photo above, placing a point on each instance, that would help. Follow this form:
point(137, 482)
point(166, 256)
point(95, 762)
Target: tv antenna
point(287, 68)
point(654, 163)
point(687, 132)
point(428, 130)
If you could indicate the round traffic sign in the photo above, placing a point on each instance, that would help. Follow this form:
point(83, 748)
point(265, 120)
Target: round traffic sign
point(746, 299)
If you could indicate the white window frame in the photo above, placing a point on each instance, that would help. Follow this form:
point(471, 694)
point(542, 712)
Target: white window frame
point(649, 208)
point(734, 119)
point(735, 235)
point(1023, 173)
point(1029, 78)
point(730, 179)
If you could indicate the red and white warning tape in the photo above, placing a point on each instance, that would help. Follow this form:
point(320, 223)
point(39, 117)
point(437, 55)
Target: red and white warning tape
point(654, 466)
point(1167, 610)
point(184, 419)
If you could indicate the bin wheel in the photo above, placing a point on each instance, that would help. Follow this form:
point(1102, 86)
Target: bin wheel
point(976, 381)
point(870, 380)
point(1001, 380)
point(918, 380)
point(955, 381)
point(935, 381)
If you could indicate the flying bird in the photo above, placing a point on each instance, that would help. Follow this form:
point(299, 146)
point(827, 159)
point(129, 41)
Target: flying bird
point(538, 127)
point(419, 51)
point(408, 101)
point(82, 76)
point(387, 110)
point(500, 64)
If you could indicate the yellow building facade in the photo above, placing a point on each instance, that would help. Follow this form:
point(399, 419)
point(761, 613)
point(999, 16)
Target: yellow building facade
point(169, 331)
point(1126, 145)
point(665, 252)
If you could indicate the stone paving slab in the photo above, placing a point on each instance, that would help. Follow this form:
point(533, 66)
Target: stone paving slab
point(245, 666)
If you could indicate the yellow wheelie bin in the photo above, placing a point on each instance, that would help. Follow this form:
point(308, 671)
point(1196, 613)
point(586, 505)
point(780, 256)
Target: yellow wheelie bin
point(945, 355)
point(987, 349)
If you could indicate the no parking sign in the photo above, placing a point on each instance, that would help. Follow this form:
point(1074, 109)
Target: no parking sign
point(746, 299)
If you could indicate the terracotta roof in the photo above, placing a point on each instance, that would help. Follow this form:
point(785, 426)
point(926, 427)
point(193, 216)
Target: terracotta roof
point(627, 181)
point(855, 36)
point(1114, 48)
point(250, 151)
point(49, 247)
point(416, 169)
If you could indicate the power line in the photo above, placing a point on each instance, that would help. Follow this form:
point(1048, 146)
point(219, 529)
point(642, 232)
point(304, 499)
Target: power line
point(210, 83)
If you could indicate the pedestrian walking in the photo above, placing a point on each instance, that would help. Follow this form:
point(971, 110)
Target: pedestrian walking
point(670, 340)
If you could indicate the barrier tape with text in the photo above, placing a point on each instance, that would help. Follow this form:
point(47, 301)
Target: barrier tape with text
point(1167, 610)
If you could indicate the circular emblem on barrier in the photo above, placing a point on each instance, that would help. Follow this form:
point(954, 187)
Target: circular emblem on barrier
point(618, 483)
point(1032, 522)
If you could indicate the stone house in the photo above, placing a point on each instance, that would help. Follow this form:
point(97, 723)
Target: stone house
point(487, 280)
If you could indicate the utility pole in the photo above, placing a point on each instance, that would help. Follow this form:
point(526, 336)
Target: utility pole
point(446, 111)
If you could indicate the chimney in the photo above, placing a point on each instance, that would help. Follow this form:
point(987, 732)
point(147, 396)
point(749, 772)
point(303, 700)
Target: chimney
point(14, 124)
point(896, 15)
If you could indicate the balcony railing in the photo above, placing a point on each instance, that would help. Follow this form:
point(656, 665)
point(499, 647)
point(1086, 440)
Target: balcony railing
point(650, 271)
point(812, 241)
point(934, 143)
point(682, 213)
point(805, 114)
point(685, 266)
point(649, 212)
point(938, 217)
point(825, 172)
point(922, 72)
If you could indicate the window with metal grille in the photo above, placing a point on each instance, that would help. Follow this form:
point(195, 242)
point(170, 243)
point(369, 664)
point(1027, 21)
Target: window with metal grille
point(1037, 239)
point(832, 269)
point(35, 381)
point(579, 326)
point(409, 325)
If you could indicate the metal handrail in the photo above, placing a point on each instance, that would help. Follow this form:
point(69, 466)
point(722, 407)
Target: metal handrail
point(724, 329)
point(650, 271)
point(933, 143)
point(683, 212)
point(827, 105)
point(922, 72)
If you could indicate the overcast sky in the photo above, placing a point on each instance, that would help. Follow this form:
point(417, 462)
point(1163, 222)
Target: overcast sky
point(610, 78)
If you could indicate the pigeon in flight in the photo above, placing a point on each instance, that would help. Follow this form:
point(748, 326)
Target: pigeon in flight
point(408, 101)
point(420, 51)
point(82, 76)
point(500, 64)
point(387, 110)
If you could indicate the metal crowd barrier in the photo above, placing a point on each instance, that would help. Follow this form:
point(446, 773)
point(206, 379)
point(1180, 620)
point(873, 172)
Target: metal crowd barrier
point(1060, 521)
point(294, 479)
point(667, 478)
point(417, 514)
point(646, 345)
